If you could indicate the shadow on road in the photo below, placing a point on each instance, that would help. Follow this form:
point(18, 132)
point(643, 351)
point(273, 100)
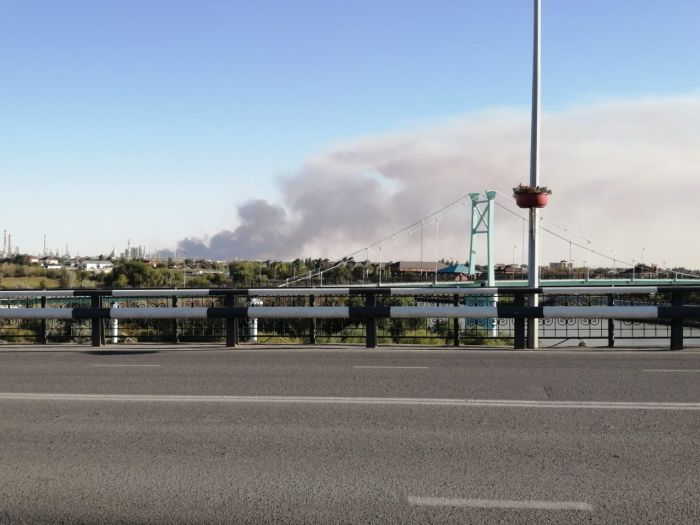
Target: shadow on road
point(120, 352)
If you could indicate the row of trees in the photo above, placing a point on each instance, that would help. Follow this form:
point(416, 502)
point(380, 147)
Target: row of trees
point(207, 274)
point(243, 274)
point(138, 274)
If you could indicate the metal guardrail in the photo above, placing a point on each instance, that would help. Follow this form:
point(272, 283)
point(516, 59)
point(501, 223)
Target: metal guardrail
point(234, 305)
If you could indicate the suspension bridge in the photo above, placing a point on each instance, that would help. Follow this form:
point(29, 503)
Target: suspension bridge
point(484, 207)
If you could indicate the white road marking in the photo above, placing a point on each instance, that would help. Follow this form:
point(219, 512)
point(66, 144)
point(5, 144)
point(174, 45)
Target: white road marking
point(672, 370)
point(409, 401)
point(386, 366)
point(122, 365)
point(501, 503)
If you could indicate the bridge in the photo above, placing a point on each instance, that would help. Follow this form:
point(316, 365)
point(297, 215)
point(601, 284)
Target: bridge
point(481, 227)
point(482, 310)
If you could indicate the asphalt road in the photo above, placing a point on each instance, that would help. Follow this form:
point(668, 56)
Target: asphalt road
point(208, 435)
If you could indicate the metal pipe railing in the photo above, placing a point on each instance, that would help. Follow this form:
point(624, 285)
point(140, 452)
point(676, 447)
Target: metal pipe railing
point(232, 312)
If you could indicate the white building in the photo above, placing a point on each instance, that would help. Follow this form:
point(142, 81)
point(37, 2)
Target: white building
point(96, 266)
point(49, 261)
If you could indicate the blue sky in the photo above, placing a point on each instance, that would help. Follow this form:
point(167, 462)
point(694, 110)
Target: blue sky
point(155, 119)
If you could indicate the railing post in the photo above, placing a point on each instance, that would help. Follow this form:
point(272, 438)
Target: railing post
point(455, 323)
point(611, 323)
point(312, 322)
point(677, 324)
point(371, 331)
point(113, 326)
point(231, 322)
point(97, 332)
point(175, 325)
point(520, 341)
point(41, 336)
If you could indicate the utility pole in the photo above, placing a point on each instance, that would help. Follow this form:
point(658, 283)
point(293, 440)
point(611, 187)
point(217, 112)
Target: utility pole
point(533, 263)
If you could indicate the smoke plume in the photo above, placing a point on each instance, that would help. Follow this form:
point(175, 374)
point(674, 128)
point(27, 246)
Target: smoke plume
point(624, 173)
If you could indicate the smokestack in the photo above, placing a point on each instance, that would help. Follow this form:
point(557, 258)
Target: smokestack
point(4, 243)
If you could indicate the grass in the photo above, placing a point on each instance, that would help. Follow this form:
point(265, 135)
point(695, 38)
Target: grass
point(28, 283)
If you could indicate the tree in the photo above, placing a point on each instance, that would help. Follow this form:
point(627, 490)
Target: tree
point(135, 274)
point(241, 273)
point(68, 279)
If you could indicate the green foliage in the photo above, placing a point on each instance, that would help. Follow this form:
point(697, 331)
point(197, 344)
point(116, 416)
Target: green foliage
point(22, 260)
point(524, 188)
point(67, 278)
point(241, 272)
point(21, 270)
point(200, 281)
point(135, 274)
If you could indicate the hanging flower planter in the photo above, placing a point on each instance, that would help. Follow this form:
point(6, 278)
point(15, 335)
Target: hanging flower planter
point(531, 200)
point(531, 196)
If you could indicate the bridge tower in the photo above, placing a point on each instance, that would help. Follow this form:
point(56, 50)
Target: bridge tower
point(483, 223)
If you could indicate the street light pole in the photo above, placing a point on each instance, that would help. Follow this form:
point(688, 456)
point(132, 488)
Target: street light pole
point(533, 278)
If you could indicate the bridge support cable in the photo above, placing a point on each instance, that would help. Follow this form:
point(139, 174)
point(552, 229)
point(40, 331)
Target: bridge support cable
point(422, 229)
point(401, 234)
point(437, 241)
point(587, 244)
point(571, 242)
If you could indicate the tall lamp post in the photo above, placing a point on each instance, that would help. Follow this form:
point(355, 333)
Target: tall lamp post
point(533, 262)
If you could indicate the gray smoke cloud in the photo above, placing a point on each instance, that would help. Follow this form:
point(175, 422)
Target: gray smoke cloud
point(624, 173)
point(260, 232)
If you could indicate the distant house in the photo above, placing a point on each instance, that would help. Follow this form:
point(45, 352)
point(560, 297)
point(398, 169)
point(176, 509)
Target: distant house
point(96, 266)
point(560, 265)
point(400, 267)
point(460, 272)
point(208, 272)
point(641, 271)
point(506, 271)
point(49, 262)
